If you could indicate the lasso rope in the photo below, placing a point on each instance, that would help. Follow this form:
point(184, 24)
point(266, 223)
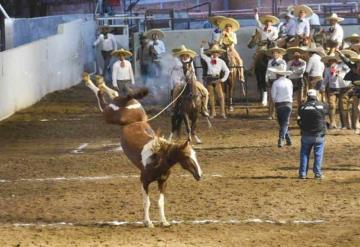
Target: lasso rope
point(172, 102)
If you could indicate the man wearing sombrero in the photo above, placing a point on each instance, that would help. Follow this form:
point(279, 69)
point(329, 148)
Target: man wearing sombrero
point(213, 80)
point(315, 68)
point(186, 57)
point(157, 48)
point(297, 66)
point(302, 12)
point(335, 34)
point(216, 33)
point(276, 62)
point(287, 29)
point(122, 75)
point(337, 89)
point(352, 40)
point(108, 44)
point(266, 24)
point(282, 96)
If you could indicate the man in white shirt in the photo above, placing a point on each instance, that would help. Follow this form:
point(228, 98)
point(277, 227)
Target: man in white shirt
point(122, 75)
point(157, 49)
point(335, 34)
point(216, 33)
point(269, 33)
point(303, 25)
point(214, 82)
point(337, 89)
point(282, 96)
point(287, 29)
point(297, 66)
point(315, 69)
point(108, 44)
point(276, 62)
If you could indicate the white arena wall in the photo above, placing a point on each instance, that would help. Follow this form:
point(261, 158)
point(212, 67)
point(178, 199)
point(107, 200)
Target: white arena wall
point(30, 71)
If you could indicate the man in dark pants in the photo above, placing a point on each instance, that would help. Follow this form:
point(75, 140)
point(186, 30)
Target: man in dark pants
point(313, 129)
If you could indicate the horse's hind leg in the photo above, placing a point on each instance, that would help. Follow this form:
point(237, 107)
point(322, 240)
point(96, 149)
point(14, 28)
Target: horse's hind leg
point(161, 202)
point(146, 201)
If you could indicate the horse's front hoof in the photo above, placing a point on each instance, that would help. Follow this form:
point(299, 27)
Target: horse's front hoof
point(165, 224)
point(148, 224)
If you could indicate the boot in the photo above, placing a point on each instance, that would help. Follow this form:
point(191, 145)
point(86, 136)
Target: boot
point(265, 99)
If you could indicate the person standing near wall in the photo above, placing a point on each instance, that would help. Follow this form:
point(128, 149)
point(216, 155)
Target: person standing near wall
point(157, 49)
point(313, 129)
point(122, 75)
point(108, 44)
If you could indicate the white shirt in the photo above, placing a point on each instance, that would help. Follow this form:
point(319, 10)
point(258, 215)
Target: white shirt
point(108, 44)
point(282, 90)
point(337, 34)
point(215, 36)
point(303, 27)
point(159, 47)
point(122, 73)
point(176, 73)
point(277, 64)
point(314, 20)
point(215, 69)
point(271, 33)
point(336, 80)
point(315, 67)
point(297, 67)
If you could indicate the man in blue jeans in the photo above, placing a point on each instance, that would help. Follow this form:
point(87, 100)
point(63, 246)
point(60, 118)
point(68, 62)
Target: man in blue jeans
point(313, 129)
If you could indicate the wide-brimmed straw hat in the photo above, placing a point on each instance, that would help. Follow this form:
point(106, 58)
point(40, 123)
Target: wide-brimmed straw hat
point(328, 58)
point(121, 52)
point(269, 18)
point(216, 19)
point(276, 49)
point(308, 11)
point(356, 83)
point(185, 51)
point(334, 16)
point(294, 49)
point(353, 38)
point(349, 53)
point(355, 59)
point(149, 34)
point(215, 49)
point(229, 21)
point(316, 49)
point(280, 71)
point(355, 47)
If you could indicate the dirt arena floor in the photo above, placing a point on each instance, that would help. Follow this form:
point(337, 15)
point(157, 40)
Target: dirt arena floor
point(65, 182)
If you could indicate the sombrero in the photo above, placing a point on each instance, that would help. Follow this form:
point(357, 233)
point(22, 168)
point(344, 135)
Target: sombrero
point(185, 51)
point(327, 58)
point(229, 21)
point(353, 38)
point(269, 18)
point(355, 59)
point(356, 83)
point(349, 53)
point(290, 8)
point(151, 32)
point(175, 50)
point(334, 16)
point(280, 71)
point(276, 49)
point(308, 11)
point(316, 49)
point(215, 49)
point(295, 49)
point(121, 52)
point(216, 18)
point(355, 47)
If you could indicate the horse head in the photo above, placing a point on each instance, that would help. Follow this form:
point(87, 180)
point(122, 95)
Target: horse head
point(188, 161)
point(254, 40)
point(123, 101)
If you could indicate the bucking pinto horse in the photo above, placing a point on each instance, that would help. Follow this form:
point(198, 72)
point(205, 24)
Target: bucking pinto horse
point(152, 155)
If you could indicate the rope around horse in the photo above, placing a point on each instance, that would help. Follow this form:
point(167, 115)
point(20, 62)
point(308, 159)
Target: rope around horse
point(172, 102)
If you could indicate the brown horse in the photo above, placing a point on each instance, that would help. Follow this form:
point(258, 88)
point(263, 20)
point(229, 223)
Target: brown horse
point(153, 156)
point(187, 107)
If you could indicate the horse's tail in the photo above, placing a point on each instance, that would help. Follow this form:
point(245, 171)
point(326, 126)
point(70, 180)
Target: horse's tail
point(139, 94)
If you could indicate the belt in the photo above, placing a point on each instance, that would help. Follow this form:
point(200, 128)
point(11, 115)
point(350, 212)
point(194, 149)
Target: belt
point(212, 77)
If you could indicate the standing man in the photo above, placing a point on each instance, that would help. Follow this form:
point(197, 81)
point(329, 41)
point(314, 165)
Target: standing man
point(214, 81)
point(122, 76)
point(282, 96)
point(313, 129)
point(297, 66)
point(157, 49)
point(108, 44)
point(315, 69)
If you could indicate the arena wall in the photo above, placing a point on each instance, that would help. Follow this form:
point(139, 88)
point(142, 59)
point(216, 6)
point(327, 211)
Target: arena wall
point(29, 72)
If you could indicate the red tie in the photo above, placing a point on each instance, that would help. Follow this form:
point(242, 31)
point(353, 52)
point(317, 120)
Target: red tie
point(213, 61)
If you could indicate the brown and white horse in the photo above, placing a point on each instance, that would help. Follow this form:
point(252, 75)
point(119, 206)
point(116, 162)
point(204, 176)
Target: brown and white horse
point(152, 155)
